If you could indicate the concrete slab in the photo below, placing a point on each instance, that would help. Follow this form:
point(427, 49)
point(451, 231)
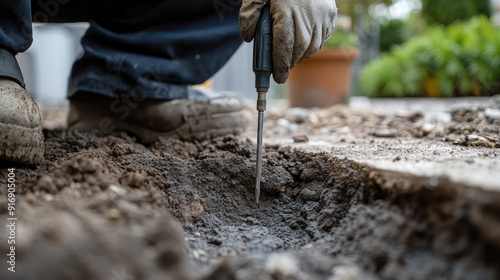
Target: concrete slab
point(412, 136)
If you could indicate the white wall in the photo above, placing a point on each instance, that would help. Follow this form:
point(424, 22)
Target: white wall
point(47, 63)
point(496, 12)
point(237, 75)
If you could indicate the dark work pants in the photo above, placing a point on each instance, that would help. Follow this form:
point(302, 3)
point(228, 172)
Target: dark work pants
point(148, 48)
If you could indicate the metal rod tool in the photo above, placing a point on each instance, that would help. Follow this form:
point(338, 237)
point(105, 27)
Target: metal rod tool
point(262, 67)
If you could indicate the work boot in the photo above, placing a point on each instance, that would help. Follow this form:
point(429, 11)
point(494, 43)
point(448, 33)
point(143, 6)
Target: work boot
point(21, 137)
point(150, 118)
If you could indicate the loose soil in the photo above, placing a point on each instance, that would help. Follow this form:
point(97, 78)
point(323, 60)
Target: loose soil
point(112, 208)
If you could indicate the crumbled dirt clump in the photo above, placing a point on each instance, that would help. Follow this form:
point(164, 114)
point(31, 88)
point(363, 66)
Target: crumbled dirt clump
point(111, 208)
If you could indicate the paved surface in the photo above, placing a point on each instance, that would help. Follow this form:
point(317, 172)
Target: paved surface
point(432, 157)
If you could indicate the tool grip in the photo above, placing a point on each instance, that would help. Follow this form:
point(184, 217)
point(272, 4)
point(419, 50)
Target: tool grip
point(262, 50)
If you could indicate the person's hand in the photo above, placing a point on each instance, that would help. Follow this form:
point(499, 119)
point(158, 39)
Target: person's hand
point(300, 27)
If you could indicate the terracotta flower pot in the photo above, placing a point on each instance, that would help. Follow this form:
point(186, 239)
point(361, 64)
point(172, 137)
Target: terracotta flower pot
point(322, 80)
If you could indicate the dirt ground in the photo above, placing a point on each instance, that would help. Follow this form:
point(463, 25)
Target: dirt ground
point(349, 192)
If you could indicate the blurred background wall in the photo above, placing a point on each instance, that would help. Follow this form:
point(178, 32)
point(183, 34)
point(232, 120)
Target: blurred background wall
point(496, 12)
point(47, 63)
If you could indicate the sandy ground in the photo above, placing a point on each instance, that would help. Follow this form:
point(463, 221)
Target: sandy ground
point(382, 189)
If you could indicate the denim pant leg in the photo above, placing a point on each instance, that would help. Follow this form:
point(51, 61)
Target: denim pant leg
point(15, 36)
point(158, 51)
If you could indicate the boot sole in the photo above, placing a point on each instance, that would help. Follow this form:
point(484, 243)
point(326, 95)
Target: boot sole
point(21, 144)
point(196, 127)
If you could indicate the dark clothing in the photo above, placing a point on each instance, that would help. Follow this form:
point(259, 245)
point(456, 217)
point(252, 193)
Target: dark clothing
point(153, 49)
point(15, 36)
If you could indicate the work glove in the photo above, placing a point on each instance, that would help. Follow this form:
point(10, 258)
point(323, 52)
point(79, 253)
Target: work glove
point(300, 27)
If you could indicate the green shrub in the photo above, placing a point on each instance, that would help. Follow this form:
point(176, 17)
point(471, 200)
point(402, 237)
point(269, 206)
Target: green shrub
point(393, 32)
point(464, 57)
point(447, 11)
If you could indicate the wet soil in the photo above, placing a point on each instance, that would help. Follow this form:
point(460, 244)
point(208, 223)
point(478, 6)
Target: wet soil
point(112, 208)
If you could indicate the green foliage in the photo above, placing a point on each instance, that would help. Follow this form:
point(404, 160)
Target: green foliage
point(341, 39)
point(393, 32)
point(447, 11)
point(464, 57)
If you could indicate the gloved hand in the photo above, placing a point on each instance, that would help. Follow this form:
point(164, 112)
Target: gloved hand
point(300, 27)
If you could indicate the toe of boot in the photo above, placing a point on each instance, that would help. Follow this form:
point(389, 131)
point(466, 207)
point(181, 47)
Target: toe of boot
point(21, 137)
point(149, 119)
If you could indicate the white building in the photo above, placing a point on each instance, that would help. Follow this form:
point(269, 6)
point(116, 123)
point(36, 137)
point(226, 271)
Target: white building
point(495, 12)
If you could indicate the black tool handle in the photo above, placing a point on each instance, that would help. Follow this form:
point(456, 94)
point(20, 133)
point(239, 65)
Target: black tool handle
point(262, 50)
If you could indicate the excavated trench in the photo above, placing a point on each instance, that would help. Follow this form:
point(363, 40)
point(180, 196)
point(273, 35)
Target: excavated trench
point(98, 208)
point(336, 217)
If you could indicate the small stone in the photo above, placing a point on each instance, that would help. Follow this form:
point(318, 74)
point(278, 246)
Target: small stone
point(493, 114)
point(345, 272)
point(113, 213)
point(454, 138)
point(305, 247)
point(202, 252)
point(345, 130)
point(118, 150)
point(117, 189)
point(196, 255)
point(397, 158)
point(433, 182)
point(215, 241)
point(297, 115)
point(325, 130)
point(313, 118)
point(384, 133)
point(137, 179)
point(309, 195)
point(428, 128)
point(252, 221)
point(283, 122)
point(296, 191)
point(46, 183)
point(292, 127)
point(300, 139)
point(476, 140)
point(282, 264)
point(30, 198)
point(437, 117)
